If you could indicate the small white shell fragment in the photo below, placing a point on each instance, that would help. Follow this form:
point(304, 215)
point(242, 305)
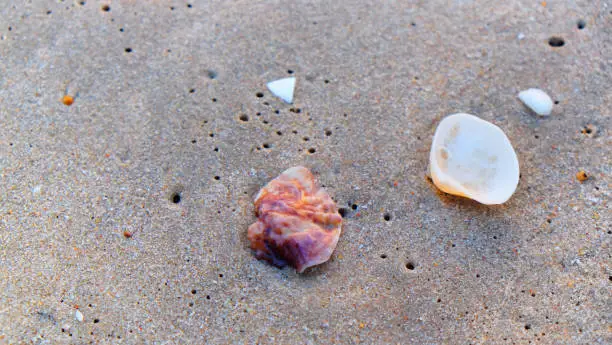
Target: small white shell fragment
point(473, 158)
point(537, 100)
point(520, 36)
point(78, 315)
point(283, 88)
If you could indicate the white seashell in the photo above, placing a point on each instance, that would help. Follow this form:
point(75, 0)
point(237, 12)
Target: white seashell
point(283, 88)
point(537, 100)
point(78, 315)
point(473, 158)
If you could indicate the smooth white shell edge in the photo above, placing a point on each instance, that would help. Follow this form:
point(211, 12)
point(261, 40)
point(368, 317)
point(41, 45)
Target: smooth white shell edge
point(473, 158)
point(537, 100)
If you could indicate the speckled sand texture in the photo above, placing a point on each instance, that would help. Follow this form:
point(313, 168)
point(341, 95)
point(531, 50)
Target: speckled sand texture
point(132, 203)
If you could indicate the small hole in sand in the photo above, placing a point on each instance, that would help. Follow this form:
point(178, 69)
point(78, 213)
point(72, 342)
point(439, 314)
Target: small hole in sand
point(410, 266)
point(259, 95)
point(175, 197)
point(589, 130)
point(387, 217)
point(581, 24)
point(383, 256)
point(312, 150)
point(106, 8)
point(244, 118)
point(556, 42)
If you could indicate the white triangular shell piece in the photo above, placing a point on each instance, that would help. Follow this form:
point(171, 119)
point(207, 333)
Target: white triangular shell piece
point(473, 158)
point(283, 88)
point(537, 100)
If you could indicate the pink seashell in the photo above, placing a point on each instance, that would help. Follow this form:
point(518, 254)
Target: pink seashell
point(298, 223)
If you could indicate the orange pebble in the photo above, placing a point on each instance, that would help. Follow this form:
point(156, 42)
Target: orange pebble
point(582, 176)
point(68, 100)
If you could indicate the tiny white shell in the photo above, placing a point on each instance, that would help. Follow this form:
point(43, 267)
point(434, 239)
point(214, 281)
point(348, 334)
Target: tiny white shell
point(473, 158)
point(78, 315)
point(283, 88)
point(537, 100)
